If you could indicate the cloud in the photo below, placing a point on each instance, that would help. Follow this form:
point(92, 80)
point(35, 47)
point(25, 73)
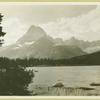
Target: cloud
point(14, 29)
point(85, 26)
point(57, 20)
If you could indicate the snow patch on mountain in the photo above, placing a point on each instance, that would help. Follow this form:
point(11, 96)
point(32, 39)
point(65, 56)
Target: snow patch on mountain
point(29, 43)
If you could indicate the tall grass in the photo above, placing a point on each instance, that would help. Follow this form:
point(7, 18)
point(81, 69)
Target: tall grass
point(66, 91)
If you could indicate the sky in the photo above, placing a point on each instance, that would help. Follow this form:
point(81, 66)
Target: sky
point(59, 21)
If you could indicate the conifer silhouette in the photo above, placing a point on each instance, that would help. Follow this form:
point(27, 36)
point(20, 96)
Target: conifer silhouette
point(1, 32)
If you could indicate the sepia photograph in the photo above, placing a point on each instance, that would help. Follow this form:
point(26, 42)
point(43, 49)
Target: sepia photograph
point(49, 49)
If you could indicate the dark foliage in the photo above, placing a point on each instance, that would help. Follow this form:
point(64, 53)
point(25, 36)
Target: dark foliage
point(1, 33)
point(14, 79)
point(89, 59)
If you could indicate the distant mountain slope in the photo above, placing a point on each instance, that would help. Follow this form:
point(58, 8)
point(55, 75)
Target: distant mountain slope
point(86, 46)
point(89, 59)
point(41, 48)
point(58, 41)
point(92, 49)
point(76, 42)
point(65, 52)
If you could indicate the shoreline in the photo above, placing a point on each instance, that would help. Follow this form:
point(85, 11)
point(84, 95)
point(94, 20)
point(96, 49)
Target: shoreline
point(64, 91)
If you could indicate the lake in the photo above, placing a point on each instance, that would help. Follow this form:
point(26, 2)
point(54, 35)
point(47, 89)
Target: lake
point(70, 76)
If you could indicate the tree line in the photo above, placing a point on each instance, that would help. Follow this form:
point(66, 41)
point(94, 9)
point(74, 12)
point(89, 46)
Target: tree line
point(31, 62)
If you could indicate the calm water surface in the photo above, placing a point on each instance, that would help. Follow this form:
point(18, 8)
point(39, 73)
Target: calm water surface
point(71, 76)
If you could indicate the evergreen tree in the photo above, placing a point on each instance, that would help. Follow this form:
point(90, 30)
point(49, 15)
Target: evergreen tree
point(1, 33)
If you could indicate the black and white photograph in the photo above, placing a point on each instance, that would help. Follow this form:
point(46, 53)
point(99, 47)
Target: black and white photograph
point(49, 49)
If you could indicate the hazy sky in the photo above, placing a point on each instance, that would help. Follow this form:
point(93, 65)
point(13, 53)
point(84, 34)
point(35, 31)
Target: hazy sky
point(65, 21)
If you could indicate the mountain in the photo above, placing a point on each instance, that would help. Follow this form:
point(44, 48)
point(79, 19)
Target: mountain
point(92, 49)
point(41, 48)
point(58, 41)
point(76, 42)
point(19, 49)
point(45, 48)
point(86, 46)
point(33, 34)
point(66, 52)
point(36, 43)
point(89, 59)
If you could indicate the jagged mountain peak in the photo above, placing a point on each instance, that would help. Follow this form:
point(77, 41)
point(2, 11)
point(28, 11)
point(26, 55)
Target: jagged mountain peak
point(33, 34)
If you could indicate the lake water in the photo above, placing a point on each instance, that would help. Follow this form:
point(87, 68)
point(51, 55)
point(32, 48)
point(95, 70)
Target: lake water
point(72, 76)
